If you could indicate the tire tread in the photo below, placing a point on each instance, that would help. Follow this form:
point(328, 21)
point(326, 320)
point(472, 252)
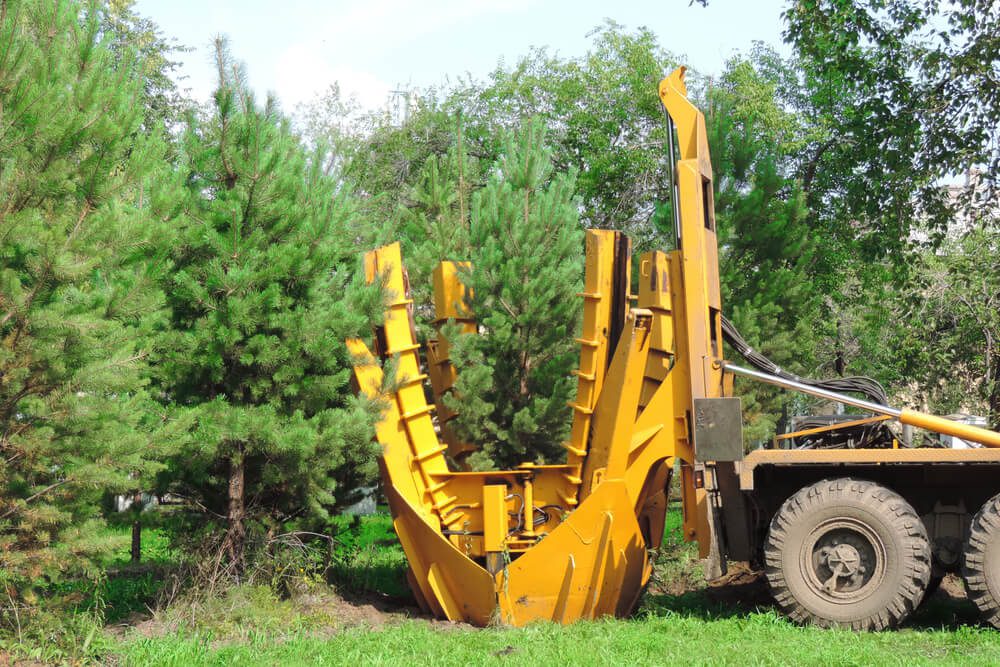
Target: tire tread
point(984, 528)
point(916, 554)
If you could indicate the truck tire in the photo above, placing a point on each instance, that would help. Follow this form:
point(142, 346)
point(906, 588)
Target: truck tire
point(981, 561)
point(847, 553)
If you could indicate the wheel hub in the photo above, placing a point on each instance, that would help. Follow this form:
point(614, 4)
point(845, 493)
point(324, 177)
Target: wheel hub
point(844, 560)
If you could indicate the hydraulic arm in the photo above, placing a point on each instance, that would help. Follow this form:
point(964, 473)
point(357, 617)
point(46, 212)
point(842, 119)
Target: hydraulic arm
point(912, 417)
point(571, 541)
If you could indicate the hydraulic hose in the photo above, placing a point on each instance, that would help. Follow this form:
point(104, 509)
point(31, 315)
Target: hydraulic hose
point(912, 417)
point(865, 386)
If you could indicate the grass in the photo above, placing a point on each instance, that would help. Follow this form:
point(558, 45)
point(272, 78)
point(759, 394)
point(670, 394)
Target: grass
point(679, 620)
point(674, 623)
point(368, 558)
point(66, 622)
point(127, 588)
point(656, 637)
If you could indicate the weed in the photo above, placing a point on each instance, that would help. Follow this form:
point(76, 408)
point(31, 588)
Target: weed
point(368, 558)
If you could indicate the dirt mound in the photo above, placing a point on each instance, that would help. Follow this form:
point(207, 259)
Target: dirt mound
point(371, 611)
point(741, 587)
point(322, 611)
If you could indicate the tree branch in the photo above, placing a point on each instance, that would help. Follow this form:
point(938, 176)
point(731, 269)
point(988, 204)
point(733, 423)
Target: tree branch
point(27, 500)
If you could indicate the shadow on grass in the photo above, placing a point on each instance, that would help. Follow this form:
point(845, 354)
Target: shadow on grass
point(713, 602)
point(946, 609)
point(360, 575)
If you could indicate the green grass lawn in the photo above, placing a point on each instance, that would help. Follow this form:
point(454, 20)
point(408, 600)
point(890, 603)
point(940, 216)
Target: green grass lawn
point(655, 637)
point(367, 618)
point(680, 620)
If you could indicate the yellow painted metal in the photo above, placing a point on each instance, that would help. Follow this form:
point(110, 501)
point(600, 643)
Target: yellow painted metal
point(452, 299)
point(695, 295)
point(694, 519)
point(847, 457)
point(594, 349)
point(654, 443)
point(397, 455)
point(451, 584)
point(495, 524)
point(654, 296)
point(948, 427)
point(467, 489)
point(615, 414)
point(572, 541)
point(398, 341)
point(697, 291)
point(561, 542)
point(452, 303)
point(590, 566)
point(504, 544)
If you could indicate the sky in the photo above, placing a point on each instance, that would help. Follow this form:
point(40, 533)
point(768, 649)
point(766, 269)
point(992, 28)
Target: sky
point(297, 48)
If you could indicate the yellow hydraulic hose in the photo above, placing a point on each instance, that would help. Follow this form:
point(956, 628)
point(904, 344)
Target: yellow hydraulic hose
point(948, 427)
point(912, 417)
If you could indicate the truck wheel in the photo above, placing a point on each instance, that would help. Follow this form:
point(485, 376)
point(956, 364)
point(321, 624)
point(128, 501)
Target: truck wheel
point(848, 553)
point(981, 561)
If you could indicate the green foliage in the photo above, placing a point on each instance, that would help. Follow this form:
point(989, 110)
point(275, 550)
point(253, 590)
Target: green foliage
point(602, 112)
point(514, 377)
point(604, 118)
point(251, 624)
point(438, 214)
point(237, 612)
point(909, 91)
point(906, 94)
point(784, 260)
point(335, 122)
point(943, 327)
point(368, 558)
point(774, 267)
point(156, 548)
point(261, 295)
point(689, 634)
point(110, 599)
point(58, 638)
point(128, 34)
point(229, 261)
point(75, 296)
point(435, 223)
point(387, 164)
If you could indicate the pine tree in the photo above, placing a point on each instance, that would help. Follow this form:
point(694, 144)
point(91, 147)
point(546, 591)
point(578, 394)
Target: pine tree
point(435, 225)
point(514, 379)
point(128, 33)
point(261, 298)
point(773, 269)
point(75, 296)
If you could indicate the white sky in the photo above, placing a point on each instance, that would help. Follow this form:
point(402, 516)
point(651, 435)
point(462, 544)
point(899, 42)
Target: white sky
point(297, 48)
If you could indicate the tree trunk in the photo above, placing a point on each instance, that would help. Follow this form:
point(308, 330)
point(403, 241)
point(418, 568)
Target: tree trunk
point(137, 541)
point(995, 395)
point(840, 361)
point(137, 530)
point(235, 541)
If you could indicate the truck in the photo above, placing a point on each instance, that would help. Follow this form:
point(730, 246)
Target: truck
point(850, 526)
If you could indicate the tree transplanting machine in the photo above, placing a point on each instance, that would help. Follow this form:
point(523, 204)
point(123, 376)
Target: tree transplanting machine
point(848, 535)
